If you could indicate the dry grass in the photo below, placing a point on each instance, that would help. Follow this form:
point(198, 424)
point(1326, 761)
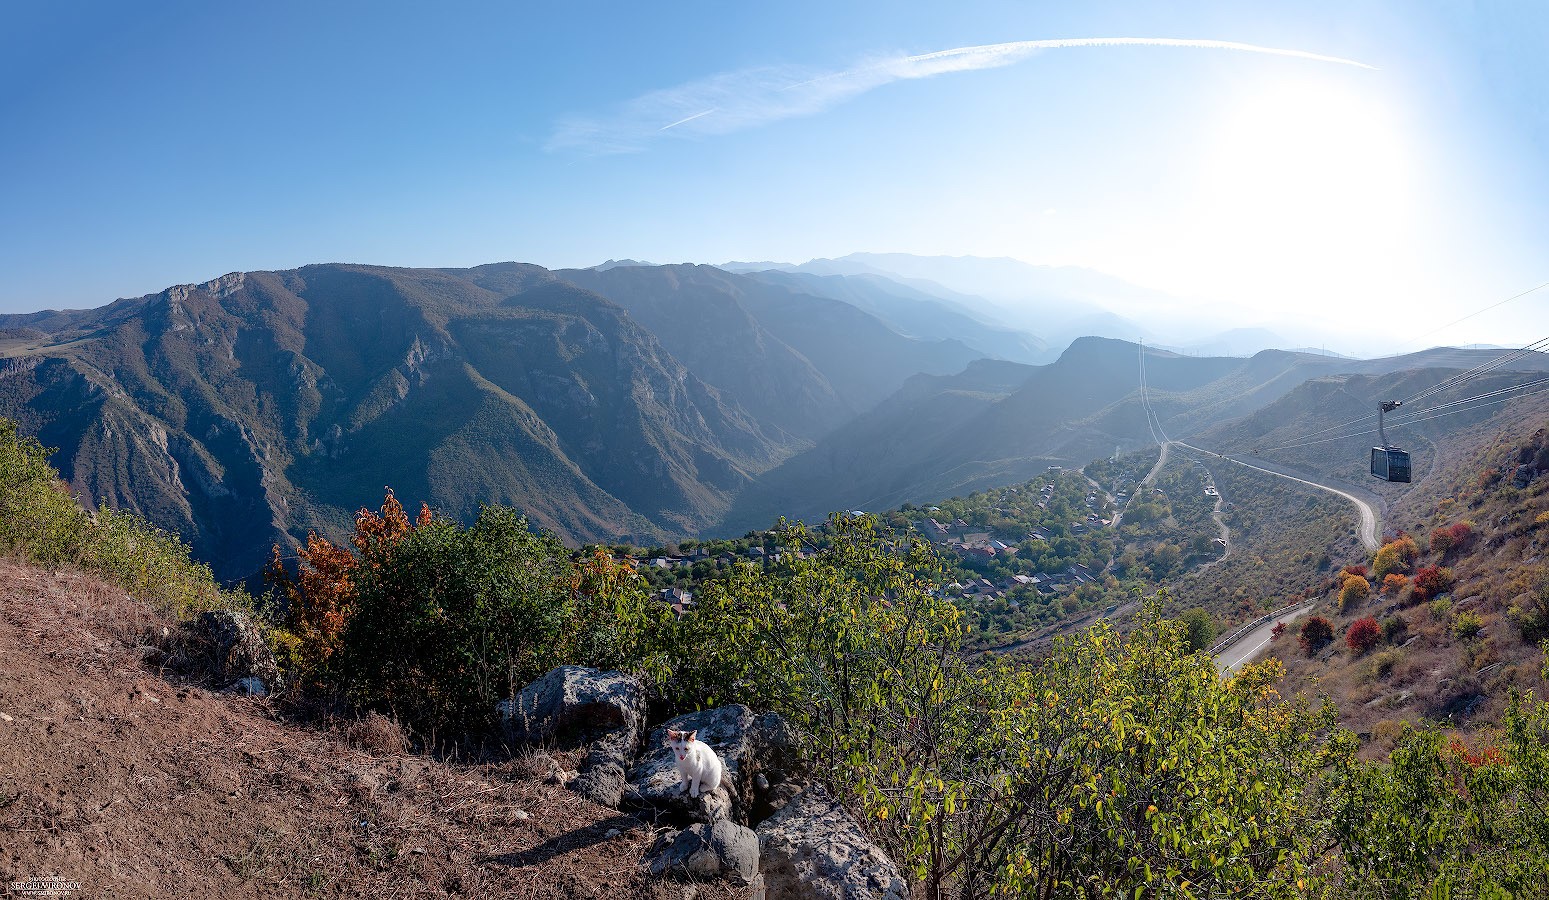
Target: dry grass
point(137, 786)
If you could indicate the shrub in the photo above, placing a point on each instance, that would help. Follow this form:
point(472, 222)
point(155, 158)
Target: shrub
point(1394, 628)
point(1199, 629)
point(447, 620)
point(1438, 812)
point(1353, 570)
point(1441, 540)
point(1354, 591)
point(1393, 584)
point(1277, 631)
point(1394, 556)
point(1363, 635)
point(42, 522)
point(1431, 582)
point(1315, 634)
point(1383, 662)
point(1467, 625)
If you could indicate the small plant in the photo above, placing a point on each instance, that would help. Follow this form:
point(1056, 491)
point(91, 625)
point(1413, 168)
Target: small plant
point(1384, 662)
point(1277, 631)
point(1363, 635)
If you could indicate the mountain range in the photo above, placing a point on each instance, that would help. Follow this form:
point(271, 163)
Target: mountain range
point(627, 402)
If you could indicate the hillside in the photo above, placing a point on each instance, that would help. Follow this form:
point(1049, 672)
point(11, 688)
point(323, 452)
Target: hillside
point(1455, 641)
point(989, 426)
point(764, 340)
point(212, 795)
point(259, 406)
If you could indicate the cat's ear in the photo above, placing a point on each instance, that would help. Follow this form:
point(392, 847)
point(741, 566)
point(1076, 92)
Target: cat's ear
point(672, 735)
point(691, 735)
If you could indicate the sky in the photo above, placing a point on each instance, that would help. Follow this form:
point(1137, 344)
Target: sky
point(1375, 169)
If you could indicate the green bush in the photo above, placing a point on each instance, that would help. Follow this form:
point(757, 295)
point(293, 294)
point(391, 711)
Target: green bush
point(449, 620)
point(1474, 819)
point(41, 522)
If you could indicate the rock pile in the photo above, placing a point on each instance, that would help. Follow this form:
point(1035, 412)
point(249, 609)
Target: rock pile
point(765, 826)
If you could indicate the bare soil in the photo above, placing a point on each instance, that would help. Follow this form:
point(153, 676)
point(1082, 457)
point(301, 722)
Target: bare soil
point(135, 785)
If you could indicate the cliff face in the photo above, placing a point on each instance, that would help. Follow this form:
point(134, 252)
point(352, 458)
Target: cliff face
point(259, 406)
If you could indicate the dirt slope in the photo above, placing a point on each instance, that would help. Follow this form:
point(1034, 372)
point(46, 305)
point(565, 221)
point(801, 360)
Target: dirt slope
point(135, 786)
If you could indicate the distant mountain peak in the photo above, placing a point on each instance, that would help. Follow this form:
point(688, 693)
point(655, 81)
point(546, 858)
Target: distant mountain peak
point(619, 264)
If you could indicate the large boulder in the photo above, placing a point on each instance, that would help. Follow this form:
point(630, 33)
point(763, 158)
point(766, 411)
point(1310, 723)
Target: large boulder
point(812, 849)
point(748, 745)
point(237, 651)
point(575, 705)
point(719, 850)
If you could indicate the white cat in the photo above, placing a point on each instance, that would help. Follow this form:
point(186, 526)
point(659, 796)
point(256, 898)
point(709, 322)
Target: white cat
point(698, 765)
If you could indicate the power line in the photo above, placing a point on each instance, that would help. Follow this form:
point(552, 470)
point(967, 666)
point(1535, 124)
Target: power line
point(1475, 313)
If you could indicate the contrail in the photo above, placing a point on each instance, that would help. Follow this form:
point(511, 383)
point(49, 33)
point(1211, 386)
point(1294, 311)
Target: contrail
point(748, 98)
point(687, 119)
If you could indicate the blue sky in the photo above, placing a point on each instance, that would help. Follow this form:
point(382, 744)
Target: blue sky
point(148, 146)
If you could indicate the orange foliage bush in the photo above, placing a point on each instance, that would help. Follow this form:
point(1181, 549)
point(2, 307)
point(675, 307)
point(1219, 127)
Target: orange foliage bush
point(320, 598)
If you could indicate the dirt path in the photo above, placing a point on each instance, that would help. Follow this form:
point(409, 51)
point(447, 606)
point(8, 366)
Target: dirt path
point(1367, 524)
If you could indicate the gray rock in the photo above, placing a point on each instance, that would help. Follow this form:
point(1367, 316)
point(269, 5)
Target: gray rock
point(574, 705)
point(236, 648)
point(814, 850)
point(747, 744)
point(721, 850)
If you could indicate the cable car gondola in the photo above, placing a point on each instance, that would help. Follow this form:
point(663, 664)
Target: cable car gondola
point(1388, 462)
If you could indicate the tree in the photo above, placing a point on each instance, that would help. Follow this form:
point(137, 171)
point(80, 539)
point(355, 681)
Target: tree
point(1315, 634)
point(1393, 584)
point(1199, 629)
point(1363, 634)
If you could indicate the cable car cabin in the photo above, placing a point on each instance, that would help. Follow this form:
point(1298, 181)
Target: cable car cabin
point(1390, 464)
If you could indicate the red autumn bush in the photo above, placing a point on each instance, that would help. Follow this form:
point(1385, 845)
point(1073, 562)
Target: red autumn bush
point(1277, 631)
point(1432, 582)
point(1363, 634)
point(1316, 633)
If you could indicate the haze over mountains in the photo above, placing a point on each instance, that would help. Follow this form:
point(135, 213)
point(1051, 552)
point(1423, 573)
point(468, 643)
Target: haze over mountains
point(624, 402)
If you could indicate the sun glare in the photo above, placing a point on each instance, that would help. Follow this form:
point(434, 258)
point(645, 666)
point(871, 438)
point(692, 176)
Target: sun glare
point(1306, 188)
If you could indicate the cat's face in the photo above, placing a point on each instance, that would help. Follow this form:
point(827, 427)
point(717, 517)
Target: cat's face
point(679, 741)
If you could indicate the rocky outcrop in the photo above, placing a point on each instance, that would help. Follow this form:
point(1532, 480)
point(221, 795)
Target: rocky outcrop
point(575, 705)
point(812, 849)
point(719, 850)
point(749, 745)
point(237, 651)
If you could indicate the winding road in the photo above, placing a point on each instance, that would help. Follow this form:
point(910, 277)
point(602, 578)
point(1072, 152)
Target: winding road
point(1366, 527)
point(1246, 647)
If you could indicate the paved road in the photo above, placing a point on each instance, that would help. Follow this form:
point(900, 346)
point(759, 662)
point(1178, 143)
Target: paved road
point(1248, 646)
point(1367, 527)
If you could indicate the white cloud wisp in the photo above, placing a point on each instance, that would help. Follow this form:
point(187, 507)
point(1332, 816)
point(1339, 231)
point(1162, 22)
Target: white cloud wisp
point(748, 98)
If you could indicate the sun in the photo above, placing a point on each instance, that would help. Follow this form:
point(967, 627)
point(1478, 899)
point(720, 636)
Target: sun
point(1306, 185)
